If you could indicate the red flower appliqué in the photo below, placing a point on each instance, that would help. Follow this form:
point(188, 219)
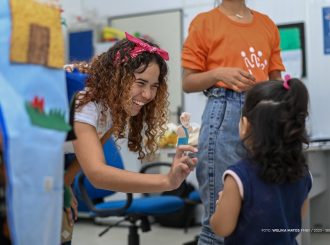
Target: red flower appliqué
point(38, 103)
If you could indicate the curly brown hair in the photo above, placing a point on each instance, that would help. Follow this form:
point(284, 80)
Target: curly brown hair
point(110, 79)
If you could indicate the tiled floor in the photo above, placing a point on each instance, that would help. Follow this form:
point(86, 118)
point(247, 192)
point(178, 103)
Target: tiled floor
point(86, 233)
point(321, 239)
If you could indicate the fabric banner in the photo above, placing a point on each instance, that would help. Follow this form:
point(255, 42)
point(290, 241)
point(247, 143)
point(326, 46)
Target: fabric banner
point(33, 122)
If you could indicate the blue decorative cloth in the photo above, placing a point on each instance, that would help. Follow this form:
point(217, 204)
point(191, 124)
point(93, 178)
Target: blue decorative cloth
point(33, 155)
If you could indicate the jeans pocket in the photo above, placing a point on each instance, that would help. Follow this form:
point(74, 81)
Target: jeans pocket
point(218, 112)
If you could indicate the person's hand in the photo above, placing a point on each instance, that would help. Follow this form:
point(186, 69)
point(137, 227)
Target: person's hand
point(235, 78)
point(219, 197)
point(68, 67)
point(72, 211)
point(182, 165)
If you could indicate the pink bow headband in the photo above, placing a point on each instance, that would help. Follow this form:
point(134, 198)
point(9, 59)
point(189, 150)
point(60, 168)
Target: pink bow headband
point(144, 47)
point(286, 85)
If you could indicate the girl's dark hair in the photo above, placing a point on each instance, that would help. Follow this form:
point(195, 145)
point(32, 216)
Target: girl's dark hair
point(276, 131)
point(111, 76)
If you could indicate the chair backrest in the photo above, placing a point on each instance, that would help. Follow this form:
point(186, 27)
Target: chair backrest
point(113, 158)
point(75, 81)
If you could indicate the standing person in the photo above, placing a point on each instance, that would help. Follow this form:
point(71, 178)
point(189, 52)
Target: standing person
point(228, 50)
point(267, 191)
point(126, 97)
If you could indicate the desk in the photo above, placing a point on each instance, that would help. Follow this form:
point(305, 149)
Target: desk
point(318, 159)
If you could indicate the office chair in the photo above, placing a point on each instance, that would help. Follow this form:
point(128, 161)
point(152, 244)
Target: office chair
point(185, 217)
point(75, 81)
point(132, 210)
point(193, 200)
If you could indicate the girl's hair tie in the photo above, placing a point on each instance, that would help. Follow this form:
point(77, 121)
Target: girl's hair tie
point(286, 85)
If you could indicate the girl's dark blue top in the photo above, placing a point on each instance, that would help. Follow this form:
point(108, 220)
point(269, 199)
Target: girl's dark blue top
point(270, 213)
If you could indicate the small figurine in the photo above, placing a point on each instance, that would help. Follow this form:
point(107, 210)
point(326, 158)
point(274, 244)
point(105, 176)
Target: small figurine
point(184, 129)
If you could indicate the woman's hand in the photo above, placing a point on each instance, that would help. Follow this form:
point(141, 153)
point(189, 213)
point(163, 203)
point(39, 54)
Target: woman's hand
point(182, 165)
point(68, 67)
point(72, 211)
point(235, 78)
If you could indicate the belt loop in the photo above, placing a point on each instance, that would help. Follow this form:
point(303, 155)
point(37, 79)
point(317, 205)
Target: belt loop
point(214, 92)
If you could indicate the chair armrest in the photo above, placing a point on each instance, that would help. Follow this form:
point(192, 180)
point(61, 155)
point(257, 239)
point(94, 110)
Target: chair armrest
point(150, 165)
point(193, 198)
point(102, 212)
point(153, 165)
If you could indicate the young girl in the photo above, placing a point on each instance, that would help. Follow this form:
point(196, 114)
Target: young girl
point(268, 189)
point(125, 96)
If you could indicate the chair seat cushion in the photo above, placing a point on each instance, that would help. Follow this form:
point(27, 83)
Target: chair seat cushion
point(152, 205)
point(194, 196)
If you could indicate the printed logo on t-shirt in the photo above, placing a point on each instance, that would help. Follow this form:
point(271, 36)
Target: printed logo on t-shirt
point(254, 60)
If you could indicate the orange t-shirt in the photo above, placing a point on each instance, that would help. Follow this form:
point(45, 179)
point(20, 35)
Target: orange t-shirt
point(215, 40)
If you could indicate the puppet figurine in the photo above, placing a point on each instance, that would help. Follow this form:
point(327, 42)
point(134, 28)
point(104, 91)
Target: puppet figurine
point(184, 129)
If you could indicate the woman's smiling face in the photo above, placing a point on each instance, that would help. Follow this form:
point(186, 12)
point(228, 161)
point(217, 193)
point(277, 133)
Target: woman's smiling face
point(144, 88)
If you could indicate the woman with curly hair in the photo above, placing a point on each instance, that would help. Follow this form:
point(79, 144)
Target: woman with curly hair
point(125, 96)
point(265, 194)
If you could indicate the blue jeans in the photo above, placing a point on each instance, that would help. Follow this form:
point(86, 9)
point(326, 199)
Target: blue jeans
point(219, 146)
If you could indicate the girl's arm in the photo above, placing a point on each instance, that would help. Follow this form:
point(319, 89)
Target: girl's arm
point(224, 220)
point(275, 75)
point(89, 152)
point(304, 208)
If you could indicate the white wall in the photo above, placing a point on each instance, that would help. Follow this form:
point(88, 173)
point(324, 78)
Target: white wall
point(317, 81)
point(100, 10)
point(318, 66)
point(106, 8)
point(281, 11)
